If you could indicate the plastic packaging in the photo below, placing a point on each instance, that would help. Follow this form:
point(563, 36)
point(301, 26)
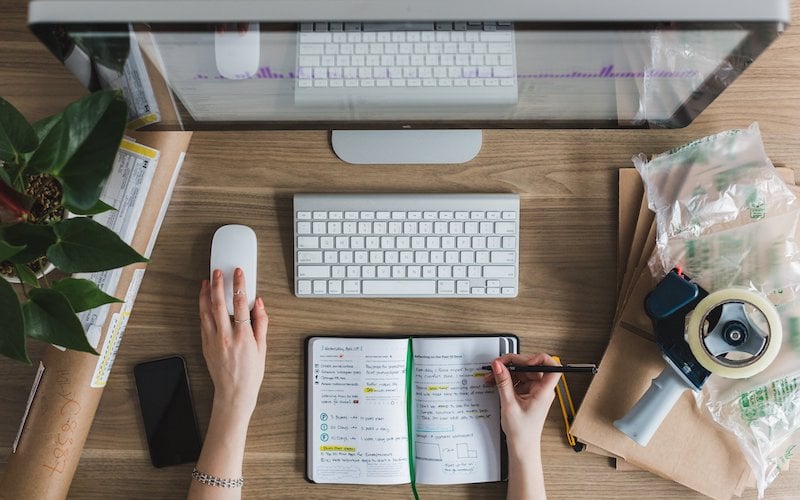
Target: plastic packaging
point(726, 218)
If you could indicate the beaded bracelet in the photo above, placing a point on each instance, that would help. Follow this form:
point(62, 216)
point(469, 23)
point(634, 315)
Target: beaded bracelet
point(210, 480)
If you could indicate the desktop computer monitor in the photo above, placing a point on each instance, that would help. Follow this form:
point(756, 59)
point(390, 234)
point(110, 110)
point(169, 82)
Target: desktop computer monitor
point(409, 81)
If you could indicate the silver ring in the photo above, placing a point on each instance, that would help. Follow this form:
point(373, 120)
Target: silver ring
point(238, 291)
point(240, 321)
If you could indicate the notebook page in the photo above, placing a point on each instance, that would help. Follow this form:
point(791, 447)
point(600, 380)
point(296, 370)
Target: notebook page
point(357, 426)
point(456, 416)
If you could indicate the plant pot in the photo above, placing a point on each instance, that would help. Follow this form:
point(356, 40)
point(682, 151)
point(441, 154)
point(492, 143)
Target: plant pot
point(47, 270)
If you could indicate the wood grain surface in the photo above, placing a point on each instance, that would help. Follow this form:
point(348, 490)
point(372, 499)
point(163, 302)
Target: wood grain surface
point(567, 180)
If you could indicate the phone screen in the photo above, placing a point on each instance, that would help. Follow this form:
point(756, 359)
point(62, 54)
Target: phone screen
point(169, 419)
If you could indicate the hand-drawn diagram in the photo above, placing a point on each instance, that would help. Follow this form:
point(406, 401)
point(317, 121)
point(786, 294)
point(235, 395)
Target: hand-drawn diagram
point(427, 451)
point(463, 451)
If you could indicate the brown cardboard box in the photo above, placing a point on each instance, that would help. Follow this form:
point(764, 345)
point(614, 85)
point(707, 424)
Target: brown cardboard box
point(689, 447)
point(63, 404)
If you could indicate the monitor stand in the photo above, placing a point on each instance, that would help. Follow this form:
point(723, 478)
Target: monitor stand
point(406, 146)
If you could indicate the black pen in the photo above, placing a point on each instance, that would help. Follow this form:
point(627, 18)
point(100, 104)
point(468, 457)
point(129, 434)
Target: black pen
point(588, 368)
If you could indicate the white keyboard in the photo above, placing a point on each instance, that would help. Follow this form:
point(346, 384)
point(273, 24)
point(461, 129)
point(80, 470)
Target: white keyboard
point(406, 245)
point(406, 63)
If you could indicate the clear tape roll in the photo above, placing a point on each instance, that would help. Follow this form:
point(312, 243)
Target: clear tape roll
point(695, 335)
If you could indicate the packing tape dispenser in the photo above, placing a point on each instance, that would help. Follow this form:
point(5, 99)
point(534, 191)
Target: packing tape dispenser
point(733, 333)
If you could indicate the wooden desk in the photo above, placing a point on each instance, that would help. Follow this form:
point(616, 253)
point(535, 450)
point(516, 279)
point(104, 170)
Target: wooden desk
point(567, 182)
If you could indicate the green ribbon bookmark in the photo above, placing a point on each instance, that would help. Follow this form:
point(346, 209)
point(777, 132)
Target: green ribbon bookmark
point(409, 416)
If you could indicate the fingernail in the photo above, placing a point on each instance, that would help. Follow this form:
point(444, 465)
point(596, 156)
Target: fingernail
point(238, 272)
point(496, 367)
point(260, 303)
point(217, 274)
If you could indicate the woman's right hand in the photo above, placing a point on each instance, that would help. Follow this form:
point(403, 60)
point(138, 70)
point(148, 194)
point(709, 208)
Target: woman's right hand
point(525, 397)
point(234, 348)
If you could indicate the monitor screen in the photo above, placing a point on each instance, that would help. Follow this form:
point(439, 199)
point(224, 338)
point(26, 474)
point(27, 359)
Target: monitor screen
point(239, 68)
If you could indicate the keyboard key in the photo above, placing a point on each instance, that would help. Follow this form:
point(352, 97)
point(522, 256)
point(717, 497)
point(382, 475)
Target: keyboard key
point(503, 257)
point(303, 228)
point(309, 257)
point(498, 271)
point(352, 287)
point(394, 288)
point(307, 242)
point(313, 271)
point(505, 228)
point(447, 287)
point(303, 287)
point(338, 271)
point(335, 287)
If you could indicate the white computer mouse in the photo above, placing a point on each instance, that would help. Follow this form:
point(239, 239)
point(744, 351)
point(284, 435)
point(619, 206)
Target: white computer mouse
point(237, 52)
point(235, 246)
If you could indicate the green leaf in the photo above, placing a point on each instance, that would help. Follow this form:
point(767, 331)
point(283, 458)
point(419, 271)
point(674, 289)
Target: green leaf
point(84, 246)
point(36, 238)
point(7, 250)
point(97, 208)
point(49, 317)
point(45, 125)
point(109, 47)
point(79, 147)
point(16, 134)
point(83, 294)
point(25, 275)
point(12, 327)
point(4, 175)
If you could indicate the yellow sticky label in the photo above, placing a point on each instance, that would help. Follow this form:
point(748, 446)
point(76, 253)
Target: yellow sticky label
point(139, 149)
point(369, 389)
point(144, 120)
point(346, 449)
point(438, 387)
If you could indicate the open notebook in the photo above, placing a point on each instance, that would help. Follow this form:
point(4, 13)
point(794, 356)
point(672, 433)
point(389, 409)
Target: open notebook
point(374, 402)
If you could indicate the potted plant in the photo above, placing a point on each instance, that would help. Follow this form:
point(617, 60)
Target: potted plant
point(54, 167)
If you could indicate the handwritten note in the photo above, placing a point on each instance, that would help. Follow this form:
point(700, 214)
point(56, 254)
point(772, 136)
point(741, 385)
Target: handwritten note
point(359, 431)
point(457, 419)
point(63, 444)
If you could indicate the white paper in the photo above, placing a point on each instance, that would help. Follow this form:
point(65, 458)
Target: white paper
point(126, 190)
point(357, 411)
point(457, 416)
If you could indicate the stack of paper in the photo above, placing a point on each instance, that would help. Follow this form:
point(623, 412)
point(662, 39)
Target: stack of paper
point(689, 447)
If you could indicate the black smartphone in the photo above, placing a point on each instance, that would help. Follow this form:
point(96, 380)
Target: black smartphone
point(168, 412)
